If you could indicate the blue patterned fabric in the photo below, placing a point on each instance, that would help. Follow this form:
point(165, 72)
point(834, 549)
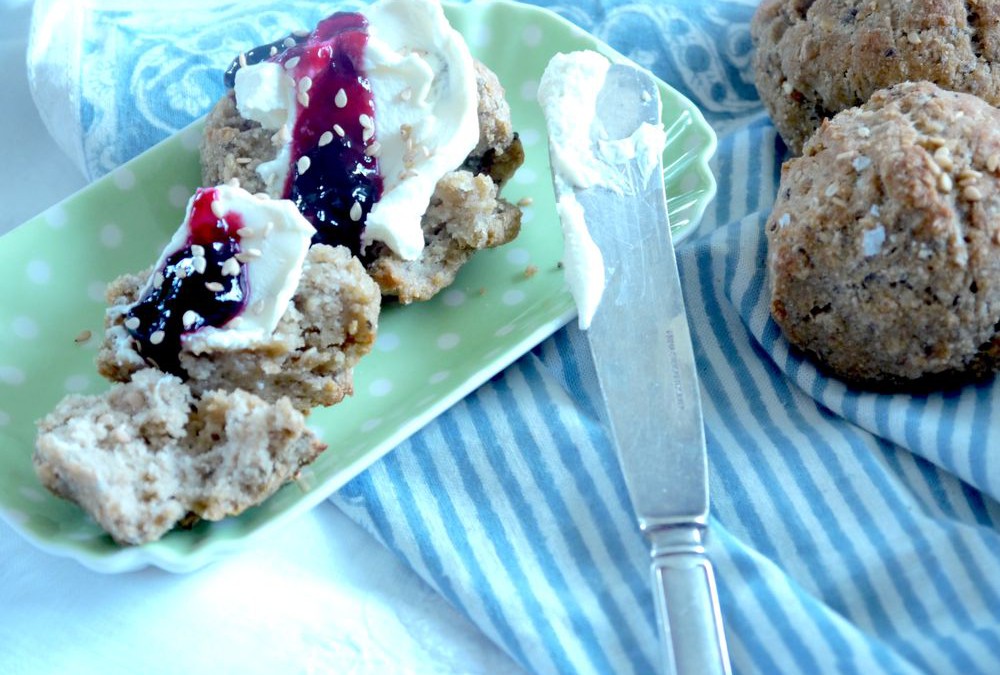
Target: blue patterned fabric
point(851, 532)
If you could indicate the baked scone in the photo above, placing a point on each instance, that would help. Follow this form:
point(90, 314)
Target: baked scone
point(465, 213)
point(884, 241)
point(329, 325)
point(149, 453)
point(813, 59)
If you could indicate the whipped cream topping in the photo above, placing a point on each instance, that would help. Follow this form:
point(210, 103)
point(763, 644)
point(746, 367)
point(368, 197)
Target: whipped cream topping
point(425, 121)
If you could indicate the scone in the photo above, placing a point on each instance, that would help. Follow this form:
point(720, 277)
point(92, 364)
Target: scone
point(814, 59)
point(148, 454)
point(240, 299)
point(884, 241)
point(405, 172)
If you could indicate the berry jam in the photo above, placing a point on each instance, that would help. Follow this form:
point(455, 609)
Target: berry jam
point(201, 284)
point(334, 176)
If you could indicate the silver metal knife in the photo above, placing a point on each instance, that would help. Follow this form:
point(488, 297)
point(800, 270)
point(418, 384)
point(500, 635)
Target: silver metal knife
point(641, 347)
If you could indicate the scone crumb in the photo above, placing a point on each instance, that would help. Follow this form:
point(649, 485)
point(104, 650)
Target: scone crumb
point(525, 201)
point(530, 271)
point(82, 337)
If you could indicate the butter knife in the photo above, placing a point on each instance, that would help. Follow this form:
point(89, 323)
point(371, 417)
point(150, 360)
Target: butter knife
point(641, 347)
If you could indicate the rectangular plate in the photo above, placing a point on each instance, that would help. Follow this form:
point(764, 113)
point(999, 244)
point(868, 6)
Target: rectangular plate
point(428, 356)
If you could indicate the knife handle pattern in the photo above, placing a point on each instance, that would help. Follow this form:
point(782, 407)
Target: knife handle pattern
point(692, 641)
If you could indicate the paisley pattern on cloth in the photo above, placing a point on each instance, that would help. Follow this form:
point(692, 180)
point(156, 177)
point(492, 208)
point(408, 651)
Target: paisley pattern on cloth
point(851, 532)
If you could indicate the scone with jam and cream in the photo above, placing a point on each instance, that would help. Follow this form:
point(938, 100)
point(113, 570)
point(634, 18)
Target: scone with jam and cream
point(385, 133)
point(240, 300)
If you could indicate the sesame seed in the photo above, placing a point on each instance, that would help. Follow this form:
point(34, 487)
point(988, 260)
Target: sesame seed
point(944, 183)
point(197, 251)
point(243, 60)
point(374, 150)
point(356, 212)
point(786, 87)
point(303, 164)
point(291, 63)
point(157, 337)
point(993, 162)
point(231, 267)
point(190, 318)
point(325, 138)
point(132, 323)
point(969, 174)
point(366, 121)
point(837, 201)
point(935, 169)
point(784, 220)
point(233, 182)
point(525, 201)
point(248, 255)
point(913, 38)
point(182, 271)
point(943, 157)
point(831, 190)
point(288, 42)
point(367, 134)
point(255, 252)
point(274, 50)
point(215, 286)
point(300, 32)
point(972, 193)
point(303, 99)
point(305, 83)
point(82, 337)
point(246, 233)
point(847, 154)
point(339, 130)
point(199, 264)
point(217, 210)
point(406, 94)
point(861, 163)
point(157, 280)
point(243, 160)
point(937, 141)
point(864, 132)
point(340, 100)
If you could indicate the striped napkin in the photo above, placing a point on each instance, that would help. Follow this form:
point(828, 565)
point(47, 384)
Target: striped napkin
point(851, 532)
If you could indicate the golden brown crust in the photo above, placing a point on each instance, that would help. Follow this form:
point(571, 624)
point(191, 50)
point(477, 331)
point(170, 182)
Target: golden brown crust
point(814, 58)
point(884, 241)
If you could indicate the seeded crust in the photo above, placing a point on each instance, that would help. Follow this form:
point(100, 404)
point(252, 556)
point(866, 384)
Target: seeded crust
point(329, 325)
point(149, 453)
point(455, 226)
point(814, 58)
point(884, 241)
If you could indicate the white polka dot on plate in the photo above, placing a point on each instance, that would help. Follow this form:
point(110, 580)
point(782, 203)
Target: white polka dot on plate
point(371, 425)
point(532, 35)
point(123, 178)
point(454, 298)
point(505, 330)
point(24, 327)
point(111, 236)
point(31, 494)
point(529, 137)
point(76, 383)
point(526, 176)
point(178, 196)
point(518, 256)
point(439, 377)
point(95, 290)
point(380, 387)
point(38, 271)
point(4, 418)
point(513, 297)
point(387, 342)
point(191, 138)
point(11, 375)
point(56, 217)
point(448, 341)
point(529, 90)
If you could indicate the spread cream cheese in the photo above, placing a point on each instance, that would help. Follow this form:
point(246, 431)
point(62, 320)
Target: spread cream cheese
point(423, 82)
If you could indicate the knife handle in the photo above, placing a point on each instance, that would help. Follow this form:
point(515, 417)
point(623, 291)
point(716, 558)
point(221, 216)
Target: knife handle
point(692, 641)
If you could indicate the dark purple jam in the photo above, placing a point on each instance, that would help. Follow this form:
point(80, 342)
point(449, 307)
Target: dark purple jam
point(334, 176)
point(201, 284)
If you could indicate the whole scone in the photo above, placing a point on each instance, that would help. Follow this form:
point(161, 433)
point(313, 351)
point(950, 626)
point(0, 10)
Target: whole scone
point(884, 241)
point(815, 58)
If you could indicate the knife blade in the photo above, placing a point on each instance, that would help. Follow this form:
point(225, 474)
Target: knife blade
point(642, 351)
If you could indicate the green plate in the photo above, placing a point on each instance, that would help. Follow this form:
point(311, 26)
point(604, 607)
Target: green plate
point(427, 357)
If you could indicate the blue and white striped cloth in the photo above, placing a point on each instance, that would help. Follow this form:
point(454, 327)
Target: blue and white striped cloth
point(851, 532)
